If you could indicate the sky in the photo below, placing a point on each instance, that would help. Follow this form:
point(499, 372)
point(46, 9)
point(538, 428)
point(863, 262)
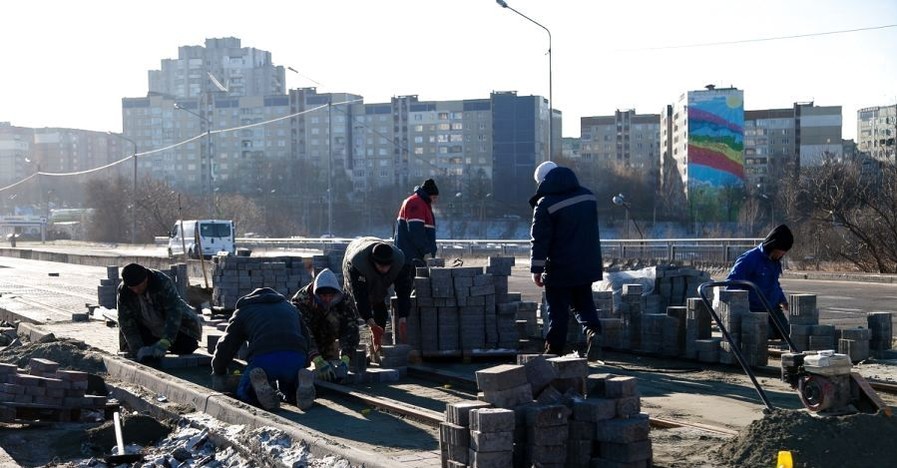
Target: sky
point(68, 63)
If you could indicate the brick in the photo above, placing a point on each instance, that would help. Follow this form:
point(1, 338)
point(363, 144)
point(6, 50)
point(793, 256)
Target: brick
point(539, 373)
point(570, 367)
point(547, 416)
point(595, 385)
point(550, 435)
point(594, 409)
point(550, 396)
point(619, 387)
point(8, 368)
point(582, 430)
point(490, 459)
point(547, 453)
point(71, 375)
point(491, 420)
point(43, 365)
point(628, 406)
point(459, 453)
point(511, 397)
point(453, 434)
point(626, 453)
point(501, 377)
point(492, 441)
point(459, 412)
point(623, 431)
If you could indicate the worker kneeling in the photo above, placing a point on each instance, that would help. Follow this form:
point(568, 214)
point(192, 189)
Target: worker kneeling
point(278, 352)
point(333, 325)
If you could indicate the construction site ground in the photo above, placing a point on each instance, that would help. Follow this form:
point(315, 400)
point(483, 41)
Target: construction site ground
point(710, 405)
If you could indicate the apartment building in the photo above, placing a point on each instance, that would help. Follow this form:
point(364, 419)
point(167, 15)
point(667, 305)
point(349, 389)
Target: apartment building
point(876, 132)
point(624, 140)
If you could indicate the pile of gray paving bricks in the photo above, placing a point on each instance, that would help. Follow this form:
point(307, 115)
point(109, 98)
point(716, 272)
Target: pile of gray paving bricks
point(107, 291)
point(576, 420)
point(332, 257)
point(461, 311)
point(44, 385)
point(234, 277)
point(858, 343)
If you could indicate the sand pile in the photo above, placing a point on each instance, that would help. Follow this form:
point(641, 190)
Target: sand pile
point(70, 354)
point(817, 442)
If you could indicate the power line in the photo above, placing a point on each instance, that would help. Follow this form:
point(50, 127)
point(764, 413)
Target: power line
point(764, 39)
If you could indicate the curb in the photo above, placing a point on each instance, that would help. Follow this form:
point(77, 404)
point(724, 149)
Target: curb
point(836, 276)
point(224, 408)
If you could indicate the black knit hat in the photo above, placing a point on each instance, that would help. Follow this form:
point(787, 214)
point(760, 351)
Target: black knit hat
point(429, 186)
point(133, 274)
point(382, 254)
point(779, 238)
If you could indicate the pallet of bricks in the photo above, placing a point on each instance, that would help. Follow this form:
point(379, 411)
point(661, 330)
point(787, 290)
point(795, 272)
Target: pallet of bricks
point(43, 392)
point(547, 412)
point(468, 311)
point(234, 277)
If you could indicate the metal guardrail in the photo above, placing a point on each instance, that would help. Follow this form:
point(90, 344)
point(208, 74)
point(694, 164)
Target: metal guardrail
point(717, 251)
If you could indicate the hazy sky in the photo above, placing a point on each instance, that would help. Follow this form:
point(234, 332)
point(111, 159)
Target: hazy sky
point(68, 63)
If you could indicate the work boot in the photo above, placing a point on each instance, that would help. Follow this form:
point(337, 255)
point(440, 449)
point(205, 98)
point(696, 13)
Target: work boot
point(305, 392)
point(593, 348)
point(264, 392)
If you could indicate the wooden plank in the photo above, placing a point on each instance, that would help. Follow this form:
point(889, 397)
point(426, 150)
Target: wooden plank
point(421, 414)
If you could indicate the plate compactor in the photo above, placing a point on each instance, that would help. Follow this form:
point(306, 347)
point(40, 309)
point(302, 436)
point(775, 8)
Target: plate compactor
point(827, 386)
point(824, 380)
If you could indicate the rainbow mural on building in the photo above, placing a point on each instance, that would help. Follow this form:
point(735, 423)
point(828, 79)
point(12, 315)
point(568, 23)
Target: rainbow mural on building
point(716, 139)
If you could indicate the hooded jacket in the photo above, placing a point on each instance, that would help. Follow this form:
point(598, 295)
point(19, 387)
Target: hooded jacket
point(267, 321)
point(756, 266)
point(565, 239)
point(416, 227)
point(363, 282)
point(326, 325)
point(178, 316)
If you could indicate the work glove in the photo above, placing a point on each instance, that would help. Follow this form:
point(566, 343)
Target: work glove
point(153, 351)
point(345, 360)
point(323, 369)
point(376, 335)
point(219, 382)
point(403, 330)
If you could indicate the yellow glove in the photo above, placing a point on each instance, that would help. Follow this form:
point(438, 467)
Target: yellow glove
point(345, 358)
point(323, 369)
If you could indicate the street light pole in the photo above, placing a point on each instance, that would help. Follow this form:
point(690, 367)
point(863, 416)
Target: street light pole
point(207, 157)
point(330, 166)
point(619, 200)
point(133, 188)
point(504, 4)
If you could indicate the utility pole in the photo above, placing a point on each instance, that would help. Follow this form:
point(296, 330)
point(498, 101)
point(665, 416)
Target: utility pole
point(330, 165)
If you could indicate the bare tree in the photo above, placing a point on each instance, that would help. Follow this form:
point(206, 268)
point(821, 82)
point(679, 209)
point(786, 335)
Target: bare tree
point(109, 200)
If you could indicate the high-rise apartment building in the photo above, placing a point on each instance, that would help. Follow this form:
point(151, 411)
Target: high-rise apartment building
point(520, 134)
point(876, 132)
point(624, 140)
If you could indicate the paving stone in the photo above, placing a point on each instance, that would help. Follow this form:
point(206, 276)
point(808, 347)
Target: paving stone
point(492, 441)
point(619, 387)
point(551, 435)
point(454, 434)
point(501, 377)
point(628, 406)
point(490, 459)
point(595, 409)
point(570, 367)
point(547, 416)
point(491, 420)
point(459, 412)
point(582, 430)
point(623, 431)
point(511, 397)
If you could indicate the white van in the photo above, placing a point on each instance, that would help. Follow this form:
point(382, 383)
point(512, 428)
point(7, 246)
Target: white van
point(215, 235)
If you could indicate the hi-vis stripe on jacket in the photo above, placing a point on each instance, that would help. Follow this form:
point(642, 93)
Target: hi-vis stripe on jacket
point(565, 240)
point(416, 227)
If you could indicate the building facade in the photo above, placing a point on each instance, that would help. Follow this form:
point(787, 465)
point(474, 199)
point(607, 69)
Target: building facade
point(876, 131)
point(625, 140)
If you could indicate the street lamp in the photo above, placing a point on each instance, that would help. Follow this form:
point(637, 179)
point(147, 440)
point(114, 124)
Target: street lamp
point(619, 200)
point(133, 188)
point(204, 157)
point(504, 4)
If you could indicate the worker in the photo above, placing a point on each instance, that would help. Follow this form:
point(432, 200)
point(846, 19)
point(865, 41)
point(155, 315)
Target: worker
point(416, 225)
point(277, 357)
point(152, 318)
point(331, 320)
point(762, 265)
point(566, 255)
point(370, 267)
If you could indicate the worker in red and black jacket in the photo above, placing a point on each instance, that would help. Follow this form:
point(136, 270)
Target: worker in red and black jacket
point(416, 225)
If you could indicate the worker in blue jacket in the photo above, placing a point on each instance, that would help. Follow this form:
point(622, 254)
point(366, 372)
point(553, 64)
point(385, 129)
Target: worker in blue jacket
point(762, 265)
point(566, 255)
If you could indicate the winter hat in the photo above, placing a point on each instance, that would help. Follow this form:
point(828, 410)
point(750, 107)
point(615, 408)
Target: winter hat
point(326, 283)
point(429, 186)
point(382, 254)
point(779, 238)
point(133, 274)
point(543, 171)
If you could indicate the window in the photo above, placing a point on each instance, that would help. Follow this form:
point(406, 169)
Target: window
point(457, 126)
point(443, 116)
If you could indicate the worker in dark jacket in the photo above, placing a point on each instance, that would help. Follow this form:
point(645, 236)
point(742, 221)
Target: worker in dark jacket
point(370, 267)
point(152, 317)
point(329, 317)
point(278, 351)
point(416, 224)
point(762, 265)
point(566, 254)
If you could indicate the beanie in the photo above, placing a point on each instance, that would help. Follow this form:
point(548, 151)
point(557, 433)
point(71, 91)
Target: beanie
point(382, 253)
point(779, 238)
point(543, 171)
point(429, 186)
point(133, 274)
point(326, 282)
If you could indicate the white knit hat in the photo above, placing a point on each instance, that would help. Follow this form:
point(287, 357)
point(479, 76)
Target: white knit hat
point(543, 171)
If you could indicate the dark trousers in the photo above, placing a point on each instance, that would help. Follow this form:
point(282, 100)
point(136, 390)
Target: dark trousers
point(403, 285)
point(182, 344)
point(560, 301)
point(282, 369)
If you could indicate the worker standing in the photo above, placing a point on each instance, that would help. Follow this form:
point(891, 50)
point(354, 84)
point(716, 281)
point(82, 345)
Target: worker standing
point(277, 360)
point(416, 224)
point(332, 322)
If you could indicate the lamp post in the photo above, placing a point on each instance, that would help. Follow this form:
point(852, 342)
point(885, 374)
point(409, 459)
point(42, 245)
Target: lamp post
point(619, 200)
point(133, 187)
point(504, 4)
point(207, 158)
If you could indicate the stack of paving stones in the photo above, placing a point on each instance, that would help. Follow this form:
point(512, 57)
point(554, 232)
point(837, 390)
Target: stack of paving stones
point(854, 342)
point(460, 311)
point(454, 433)
point(673, 285)
point(613, 414)
point(697, 327)
point(880, 329)
point(44, 386)
point(491, 438)
point(107, 291)
point(234, 277)
point(395, 357)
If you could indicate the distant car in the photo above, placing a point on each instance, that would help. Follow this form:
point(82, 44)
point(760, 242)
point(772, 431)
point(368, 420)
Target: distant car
point(327, 235)
point(23, 237)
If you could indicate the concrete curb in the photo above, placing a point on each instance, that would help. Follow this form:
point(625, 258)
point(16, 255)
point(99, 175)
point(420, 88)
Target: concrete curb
point(222, 407)
point(159, 263)
point(840, 276)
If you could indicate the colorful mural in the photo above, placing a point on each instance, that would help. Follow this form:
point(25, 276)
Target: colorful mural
point(716, 139)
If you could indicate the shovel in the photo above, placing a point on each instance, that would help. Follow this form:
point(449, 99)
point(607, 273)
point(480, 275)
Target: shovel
point(121, 457)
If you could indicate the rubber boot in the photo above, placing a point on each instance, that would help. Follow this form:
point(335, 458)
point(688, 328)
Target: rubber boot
point(264, 392)
point(305, 392)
